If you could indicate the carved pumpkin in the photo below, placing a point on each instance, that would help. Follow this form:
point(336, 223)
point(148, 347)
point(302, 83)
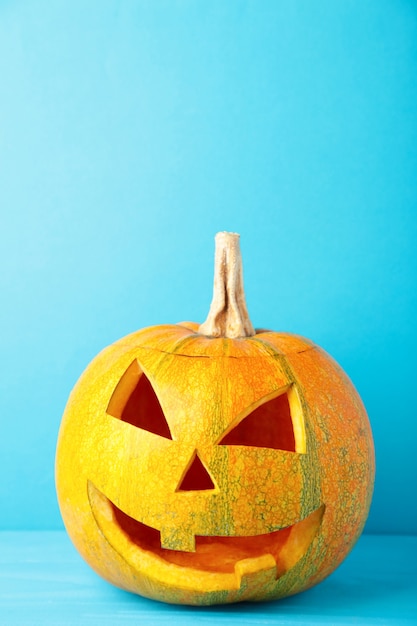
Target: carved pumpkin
point(214, 464)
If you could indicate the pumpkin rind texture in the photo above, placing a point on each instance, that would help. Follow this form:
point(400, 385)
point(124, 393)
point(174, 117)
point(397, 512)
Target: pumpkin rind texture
point(202, 470)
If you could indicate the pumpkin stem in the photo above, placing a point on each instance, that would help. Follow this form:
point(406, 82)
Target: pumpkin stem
point(228, 315)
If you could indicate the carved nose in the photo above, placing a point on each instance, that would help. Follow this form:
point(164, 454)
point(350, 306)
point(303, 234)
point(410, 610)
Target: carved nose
point(196, 476)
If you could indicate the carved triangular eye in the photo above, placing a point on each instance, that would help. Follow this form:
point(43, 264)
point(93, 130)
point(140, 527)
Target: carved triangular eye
point(268, 426)
point(134, 401)
point(144, 410)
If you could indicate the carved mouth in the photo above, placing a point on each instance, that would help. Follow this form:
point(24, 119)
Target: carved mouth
point(232, 556)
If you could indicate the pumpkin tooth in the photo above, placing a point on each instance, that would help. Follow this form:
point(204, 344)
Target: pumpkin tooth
point(255, 566)
point(185, 542)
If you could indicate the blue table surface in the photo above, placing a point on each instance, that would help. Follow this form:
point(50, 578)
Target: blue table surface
point(44, 581)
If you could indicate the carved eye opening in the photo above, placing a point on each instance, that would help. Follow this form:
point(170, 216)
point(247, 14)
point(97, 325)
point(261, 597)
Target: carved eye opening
point(277, 423)
point(135, 401)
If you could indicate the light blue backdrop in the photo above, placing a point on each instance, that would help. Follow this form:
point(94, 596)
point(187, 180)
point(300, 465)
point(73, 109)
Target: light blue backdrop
point(132, 131)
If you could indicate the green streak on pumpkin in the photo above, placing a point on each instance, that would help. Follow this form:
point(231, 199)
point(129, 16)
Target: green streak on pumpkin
point(311, 489)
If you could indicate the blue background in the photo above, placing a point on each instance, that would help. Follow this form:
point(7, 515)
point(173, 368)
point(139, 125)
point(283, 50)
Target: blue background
point(132, 131)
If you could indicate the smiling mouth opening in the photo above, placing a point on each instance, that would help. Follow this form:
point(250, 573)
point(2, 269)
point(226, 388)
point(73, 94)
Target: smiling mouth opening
point(280, 549)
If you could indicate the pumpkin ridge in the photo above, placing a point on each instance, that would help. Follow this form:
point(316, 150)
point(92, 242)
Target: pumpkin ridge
point(311, 490)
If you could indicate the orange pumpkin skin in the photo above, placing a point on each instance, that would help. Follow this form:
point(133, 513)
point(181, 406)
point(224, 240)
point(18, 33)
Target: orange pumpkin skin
point(123, 490)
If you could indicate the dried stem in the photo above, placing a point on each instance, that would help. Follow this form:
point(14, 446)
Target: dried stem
point(228, 315)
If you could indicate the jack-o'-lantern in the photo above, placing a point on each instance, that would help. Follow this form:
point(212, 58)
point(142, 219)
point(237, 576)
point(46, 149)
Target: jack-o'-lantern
point(214, 463)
